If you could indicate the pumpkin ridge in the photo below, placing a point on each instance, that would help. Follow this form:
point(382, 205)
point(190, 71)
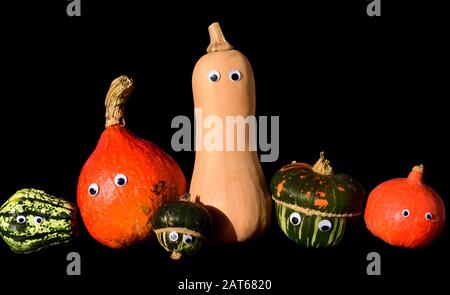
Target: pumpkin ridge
point(34, 195)
point(50, 242)
point(61, 216)
point(312, 212)
point(38, 236)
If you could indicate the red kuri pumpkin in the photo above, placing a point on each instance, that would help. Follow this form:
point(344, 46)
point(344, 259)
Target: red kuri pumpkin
point(405, 212)
point(126, 179)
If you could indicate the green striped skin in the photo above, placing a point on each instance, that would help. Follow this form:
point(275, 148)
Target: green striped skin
point(185, 244)
point(297, 185)
point(189, 222)
point(190, 215)
point(307, 233)
point(32, 220)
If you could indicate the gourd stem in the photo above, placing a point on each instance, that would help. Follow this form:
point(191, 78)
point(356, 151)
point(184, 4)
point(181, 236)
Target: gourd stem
point(176, 255)
point(418, 168)
point(416, 173)
point(218, 41)
point(322, 166)
point(117, 96)
point(186, 197)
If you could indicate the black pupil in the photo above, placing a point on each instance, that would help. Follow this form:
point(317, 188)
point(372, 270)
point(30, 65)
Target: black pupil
point(405, 213)
point(294, 220)
point(21, 219)
point(235, 76)
point(38, 220)
point(92, 191)
point(188, 240)
point(428, 216)
point(121, 181)
point(325, 228)
point(214, 77)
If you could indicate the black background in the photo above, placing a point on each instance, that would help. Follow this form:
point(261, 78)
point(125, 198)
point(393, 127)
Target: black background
point(370, 92)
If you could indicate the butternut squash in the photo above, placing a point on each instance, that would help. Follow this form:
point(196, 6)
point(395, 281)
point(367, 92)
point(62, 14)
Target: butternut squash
point(230, 184)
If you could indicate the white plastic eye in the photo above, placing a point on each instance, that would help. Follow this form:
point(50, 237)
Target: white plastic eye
point(213, 76)
point(173, 236)
point(93, 189)
point(428, 216)
point(295, 218)
point(120, 179)
point(405, 213)
point(187, 239)
point(21, 219)
point(325, 225)
point(234, 75)
point(38, 220)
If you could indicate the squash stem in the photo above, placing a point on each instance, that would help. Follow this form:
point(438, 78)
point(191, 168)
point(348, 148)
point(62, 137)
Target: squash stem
point(176, 255)
point(218, 41)
point(117, 96)
point(186, 197)
point(322, 166)
point(416, 173)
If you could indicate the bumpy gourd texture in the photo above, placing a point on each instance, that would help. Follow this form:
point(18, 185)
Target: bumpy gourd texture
point(32, 220)
point(311, 208)
point(182, 226)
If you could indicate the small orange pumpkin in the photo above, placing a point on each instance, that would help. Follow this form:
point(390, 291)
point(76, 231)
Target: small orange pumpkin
point(126, 179)
point(405, 212)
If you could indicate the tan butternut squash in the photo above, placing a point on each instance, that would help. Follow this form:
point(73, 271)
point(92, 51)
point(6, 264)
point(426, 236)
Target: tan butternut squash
point(230, 183)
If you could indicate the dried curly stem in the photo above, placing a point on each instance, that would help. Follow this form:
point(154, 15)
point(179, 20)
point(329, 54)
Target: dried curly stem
point(117, 96)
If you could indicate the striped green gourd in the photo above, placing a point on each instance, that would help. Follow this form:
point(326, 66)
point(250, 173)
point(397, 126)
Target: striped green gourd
point(31, 220)
point(312, 204)
point(182, 226)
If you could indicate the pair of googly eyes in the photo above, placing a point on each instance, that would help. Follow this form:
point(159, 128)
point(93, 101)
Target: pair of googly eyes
point(406, 213)
point(120, 180)
point(187, 239)
point(22, 219)
point(324, 225)
point(233, 75)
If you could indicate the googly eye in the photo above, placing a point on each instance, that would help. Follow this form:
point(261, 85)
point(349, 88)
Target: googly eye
point(428, 216)
point(21, 219)
point(187, 239)
point(38, 220)
point(93, 189)
point(234, 75)
point(325, 225)
point(213, 76)
point(173, 236)
point(295, 218)
point(405, 213)
point(120, 179)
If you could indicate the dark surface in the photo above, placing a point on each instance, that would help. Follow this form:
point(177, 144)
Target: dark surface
point(371, 92)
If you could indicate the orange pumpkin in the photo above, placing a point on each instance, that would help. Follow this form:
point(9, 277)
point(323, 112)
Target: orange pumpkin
point(125, 180)
point(405, 212)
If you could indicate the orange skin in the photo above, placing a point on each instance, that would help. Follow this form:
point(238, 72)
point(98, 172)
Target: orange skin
point(230, 183)
point(119, 216)
point(385, 207)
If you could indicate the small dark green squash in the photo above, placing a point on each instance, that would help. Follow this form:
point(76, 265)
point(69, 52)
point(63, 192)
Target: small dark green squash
point(182, 226)
point(32, 220)
point(312, 204)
